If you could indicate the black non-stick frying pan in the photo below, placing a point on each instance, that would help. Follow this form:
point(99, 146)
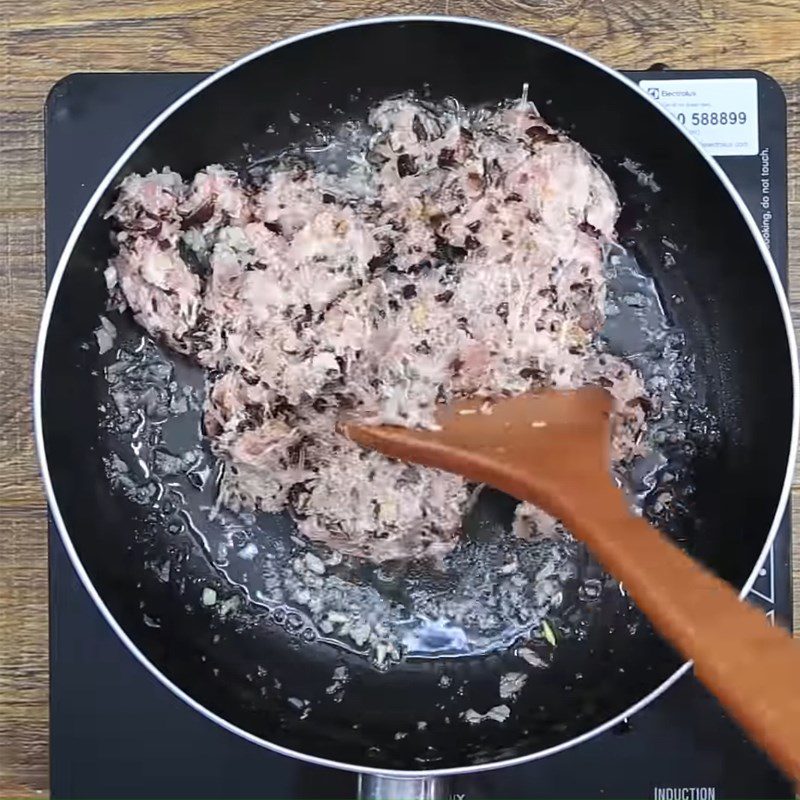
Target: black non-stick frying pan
point(253, 675)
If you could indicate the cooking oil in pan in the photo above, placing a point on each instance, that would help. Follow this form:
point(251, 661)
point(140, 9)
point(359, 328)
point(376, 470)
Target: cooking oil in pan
point(494, 590)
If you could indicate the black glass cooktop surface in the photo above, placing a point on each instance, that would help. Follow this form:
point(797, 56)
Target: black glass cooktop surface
point(118, 733)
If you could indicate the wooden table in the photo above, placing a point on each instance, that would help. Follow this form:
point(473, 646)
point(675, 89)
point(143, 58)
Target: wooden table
point(43, 40)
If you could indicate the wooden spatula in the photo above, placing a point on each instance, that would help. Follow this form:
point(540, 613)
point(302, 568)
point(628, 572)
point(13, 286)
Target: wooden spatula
point(552, 449)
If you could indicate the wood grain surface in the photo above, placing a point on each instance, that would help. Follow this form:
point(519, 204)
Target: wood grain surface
point(42, 41)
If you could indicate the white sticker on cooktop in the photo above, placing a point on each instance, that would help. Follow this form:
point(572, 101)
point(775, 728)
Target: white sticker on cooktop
point(720, 113)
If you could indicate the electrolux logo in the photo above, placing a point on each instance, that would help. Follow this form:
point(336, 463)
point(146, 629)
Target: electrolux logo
point(660, 93)
point(684, 793)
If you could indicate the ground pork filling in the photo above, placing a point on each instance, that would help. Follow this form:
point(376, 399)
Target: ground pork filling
point(462, 254)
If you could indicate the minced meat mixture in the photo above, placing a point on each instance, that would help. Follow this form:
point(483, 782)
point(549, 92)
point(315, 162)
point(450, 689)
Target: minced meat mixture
point(461, 255)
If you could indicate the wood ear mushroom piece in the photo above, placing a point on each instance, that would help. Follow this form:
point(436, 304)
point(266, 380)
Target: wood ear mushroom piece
point(552, 449)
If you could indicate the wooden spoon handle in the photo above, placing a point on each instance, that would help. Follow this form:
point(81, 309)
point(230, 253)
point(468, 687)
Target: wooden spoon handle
point(552, 450)
point(751, 667)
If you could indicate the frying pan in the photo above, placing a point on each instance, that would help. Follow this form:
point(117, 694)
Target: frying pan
point(246, 671)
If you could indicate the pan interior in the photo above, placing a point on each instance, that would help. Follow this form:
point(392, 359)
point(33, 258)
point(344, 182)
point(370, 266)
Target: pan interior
point(495, 589)
point(253, 664)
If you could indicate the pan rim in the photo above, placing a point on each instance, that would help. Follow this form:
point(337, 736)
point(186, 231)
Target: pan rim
point(52, 293)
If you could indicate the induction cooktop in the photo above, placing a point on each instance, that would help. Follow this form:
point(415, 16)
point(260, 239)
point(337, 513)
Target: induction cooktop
point(116, 732)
